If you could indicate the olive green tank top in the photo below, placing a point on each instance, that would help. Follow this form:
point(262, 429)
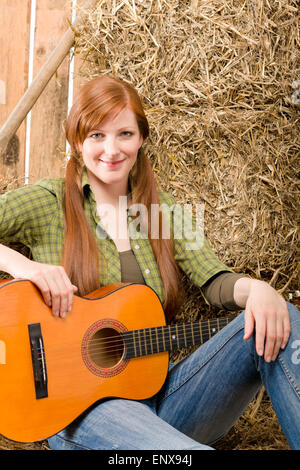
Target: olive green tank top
point(130, 269)
point(218, 291)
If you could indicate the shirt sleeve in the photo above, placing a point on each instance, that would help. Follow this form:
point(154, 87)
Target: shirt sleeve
point(218, 291)
point(24, 214)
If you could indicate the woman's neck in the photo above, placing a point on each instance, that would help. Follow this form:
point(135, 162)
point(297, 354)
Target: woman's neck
point(108, 193)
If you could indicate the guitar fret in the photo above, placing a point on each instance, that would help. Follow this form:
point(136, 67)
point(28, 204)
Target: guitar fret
point(163, 336)
point(141, 352)
point(209, 332)
point(170, 338)
point(157, 340)
point(196, 333)
point(190, 334)
point(150, 335)
point(134, 344)
point(184, 335)
point(177, 335)
point(153, 342)
point(181, 336)
point(214, 329)
point(145, 342)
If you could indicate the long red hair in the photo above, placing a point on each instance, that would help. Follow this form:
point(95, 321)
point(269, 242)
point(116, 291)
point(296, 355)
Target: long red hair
point(101, 97)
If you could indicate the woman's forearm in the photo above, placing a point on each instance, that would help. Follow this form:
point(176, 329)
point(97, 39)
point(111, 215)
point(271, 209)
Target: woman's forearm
point(53, 282)
point(10, 259)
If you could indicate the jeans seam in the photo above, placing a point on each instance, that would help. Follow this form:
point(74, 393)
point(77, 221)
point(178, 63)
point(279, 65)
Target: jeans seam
point(73, 443)
point(288, 376)
point(199, 366)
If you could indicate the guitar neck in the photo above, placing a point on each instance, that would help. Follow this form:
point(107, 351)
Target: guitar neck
point(147, 341)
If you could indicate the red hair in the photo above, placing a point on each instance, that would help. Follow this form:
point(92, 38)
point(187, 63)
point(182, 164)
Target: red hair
point(99, 98)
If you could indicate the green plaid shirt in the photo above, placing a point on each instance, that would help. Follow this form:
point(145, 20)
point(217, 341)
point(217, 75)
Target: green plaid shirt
point(33, 216)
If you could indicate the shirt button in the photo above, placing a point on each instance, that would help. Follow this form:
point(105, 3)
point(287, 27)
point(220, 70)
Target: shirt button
point(137, 247)
point(147, 271)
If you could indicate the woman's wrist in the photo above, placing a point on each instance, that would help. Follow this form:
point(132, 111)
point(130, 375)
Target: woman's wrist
point(241, 290)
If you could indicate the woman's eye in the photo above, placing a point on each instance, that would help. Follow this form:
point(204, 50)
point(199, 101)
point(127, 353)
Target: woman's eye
point(126, 133)
point(96, 135)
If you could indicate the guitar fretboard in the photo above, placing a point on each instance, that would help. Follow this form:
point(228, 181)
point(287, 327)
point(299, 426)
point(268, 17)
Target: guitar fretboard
point(154, 340)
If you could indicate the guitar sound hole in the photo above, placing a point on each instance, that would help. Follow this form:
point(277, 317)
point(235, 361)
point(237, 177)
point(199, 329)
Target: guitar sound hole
point(106, 347)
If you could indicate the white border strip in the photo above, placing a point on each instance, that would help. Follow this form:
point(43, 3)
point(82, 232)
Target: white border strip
point(71, 76)
point(30, 78)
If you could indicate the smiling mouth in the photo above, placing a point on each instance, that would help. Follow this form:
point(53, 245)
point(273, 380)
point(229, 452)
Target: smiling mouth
point(110, 164)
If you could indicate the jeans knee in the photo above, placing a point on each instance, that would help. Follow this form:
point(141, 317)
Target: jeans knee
point(293, 311)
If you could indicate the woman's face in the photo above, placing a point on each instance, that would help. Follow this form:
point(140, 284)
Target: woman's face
point(110, 150)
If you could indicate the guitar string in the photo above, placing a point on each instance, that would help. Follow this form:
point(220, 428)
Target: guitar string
point(134, 352)
point(107, 360)
point(156, 332)
point(129, 348)
point(140, 342)
point(159, 329)
point(149, 339)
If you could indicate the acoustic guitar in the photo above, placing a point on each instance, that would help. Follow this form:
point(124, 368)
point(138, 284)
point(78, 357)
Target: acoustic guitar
point(114, 343)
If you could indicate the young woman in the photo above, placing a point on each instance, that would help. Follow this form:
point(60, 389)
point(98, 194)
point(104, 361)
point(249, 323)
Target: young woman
point(82, 233)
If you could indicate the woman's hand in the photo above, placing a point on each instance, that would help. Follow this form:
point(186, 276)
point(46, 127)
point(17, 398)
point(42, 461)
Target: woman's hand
point(52, 281)
point(267, 311)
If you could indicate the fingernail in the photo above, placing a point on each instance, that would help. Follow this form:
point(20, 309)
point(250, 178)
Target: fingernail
point(63, 314)
point(56, 314)
point(268, 359)
point(70, 308)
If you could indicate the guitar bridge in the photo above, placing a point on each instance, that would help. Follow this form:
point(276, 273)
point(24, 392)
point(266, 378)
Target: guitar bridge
point(38, 360)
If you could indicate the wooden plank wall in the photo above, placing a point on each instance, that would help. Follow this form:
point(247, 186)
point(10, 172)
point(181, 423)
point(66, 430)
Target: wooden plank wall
point(44, 21)
point(14, 48)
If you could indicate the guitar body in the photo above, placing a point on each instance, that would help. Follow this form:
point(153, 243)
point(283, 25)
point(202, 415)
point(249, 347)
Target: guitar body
point(69, 370)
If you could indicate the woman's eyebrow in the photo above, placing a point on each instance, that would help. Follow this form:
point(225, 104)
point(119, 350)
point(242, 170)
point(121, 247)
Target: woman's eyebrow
point(127, 128)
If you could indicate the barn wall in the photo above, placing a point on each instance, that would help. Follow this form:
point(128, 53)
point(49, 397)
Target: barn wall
point(30, 31)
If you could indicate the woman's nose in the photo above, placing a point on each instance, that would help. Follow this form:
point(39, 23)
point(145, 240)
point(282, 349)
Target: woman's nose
point(111, 146)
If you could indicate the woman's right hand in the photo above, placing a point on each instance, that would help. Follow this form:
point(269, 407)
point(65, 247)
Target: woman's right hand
point(52, 281)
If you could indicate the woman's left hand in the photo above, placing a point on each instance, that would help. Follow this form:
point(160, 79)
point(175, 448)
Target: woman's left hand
point(266, 310)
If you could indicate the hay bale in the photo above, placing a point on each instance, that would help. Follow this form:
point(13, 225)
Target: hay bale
point(216, 80)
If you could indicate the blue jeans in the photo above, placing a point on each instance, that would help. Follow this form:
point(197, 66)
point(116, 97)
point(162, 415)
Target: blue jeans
point(203, 396)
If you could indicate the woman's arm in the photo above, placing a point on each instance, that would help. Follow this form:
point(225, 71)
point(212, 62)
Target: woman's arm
point(52, 281)
point(267, 311)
